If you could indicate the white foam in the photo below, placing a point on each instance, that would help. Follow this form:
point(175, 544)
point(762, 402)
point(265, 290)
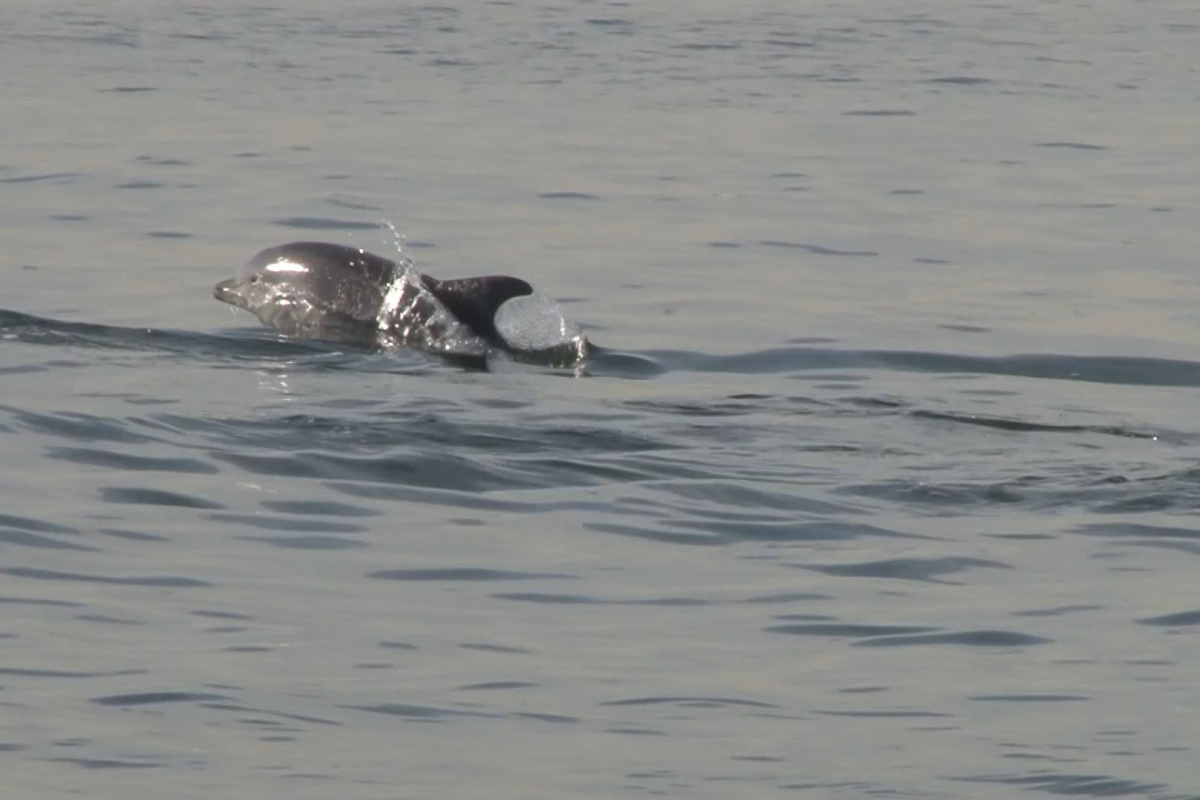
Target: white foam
point(534, 322)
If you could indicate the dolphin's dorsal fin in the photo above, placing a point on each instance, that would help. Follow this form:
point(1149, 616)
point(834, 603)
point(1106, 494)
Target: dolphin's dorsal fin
point(474, 301)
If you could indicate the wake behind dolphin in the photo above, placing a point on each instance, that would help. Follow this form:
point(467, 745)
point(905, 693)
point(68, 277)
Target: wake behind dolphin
point(328, 291)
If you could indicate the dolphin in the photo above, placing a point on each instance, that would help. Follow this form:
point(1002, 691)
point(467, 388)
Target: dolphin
point(330, 291)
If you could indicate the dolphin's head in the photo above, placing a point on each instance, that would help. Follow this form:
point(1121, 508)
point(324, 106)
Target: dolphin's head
point(311, 288)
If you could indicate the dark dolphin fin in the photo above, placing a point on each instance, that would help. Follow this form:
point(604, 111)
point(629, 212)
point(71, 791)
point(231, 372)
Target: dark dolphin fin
point(474, 301)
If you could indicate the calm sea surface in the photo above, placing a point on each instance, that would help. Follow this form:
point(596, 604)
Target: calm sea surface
point(889, 485)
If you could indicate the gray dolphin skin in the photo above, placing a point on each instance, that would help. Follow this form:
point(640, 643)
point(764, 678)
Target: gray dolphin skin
point(329, 291)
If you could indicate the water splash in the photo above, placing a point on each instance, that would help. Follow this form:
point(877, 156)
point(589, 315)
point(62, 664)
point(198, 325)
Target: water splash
point(532, 326)
point(410, 316)
point(535, 325)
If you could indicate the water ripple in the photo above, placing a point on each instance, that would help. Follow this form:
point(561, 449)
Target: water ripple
point(155, 698)
point(1117, 370)
point(166, 581)
point(473, 574)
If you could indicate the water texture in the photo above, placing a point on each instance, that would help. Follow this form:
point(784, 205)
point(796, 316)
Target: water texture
point(884, 480)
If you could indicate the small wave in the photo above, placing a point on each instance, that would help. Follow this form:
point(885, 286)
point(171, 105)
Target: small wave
point(603, 362)
point(1122, 370)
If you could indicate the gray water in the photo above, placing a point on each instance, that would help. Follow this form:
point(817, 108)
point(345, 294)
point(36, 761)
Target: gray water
point(887, 484)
